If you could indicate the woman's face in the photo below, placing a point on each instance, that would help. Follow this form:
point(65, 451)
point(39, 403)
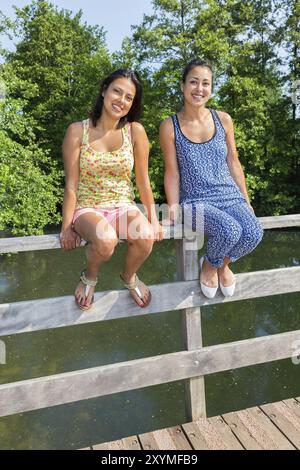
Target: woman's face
point(118, 97)
point(197, 87)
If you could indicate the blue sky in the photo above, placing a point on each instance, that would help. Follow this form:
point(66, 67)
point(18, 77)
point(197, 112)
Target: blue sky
point(116, 16)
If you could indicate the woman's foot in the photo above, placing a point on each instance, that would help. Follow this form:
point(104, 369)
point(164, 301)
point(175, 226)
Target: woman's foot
point(208, 279)
point(227, 281)
point(226, 276)
point(84, 293)
point(138, 290)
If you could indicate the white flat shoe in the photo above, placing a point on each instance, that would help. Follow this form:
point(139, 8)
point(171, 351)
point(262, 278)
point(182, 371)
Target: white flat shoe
point(209, 292)
point(228, 291)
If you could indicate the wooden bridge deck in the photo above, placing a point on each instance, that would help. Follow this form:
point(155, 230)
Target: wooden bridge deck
point(266, 427)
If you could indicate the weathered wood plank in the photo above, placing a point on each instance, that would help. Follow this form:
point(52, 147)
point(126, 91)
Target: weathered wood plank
point(285, 418)
point(31, 243)
point(253, 426)
point(195, 387)
point(105, 380)
point(226, 433)
point(128, 443)
point(196, 406)
point(255, 431)
point(203, 435)
point(165, 439)
point(33, 315)
point(48, 242)
point(179, 438)
point(241, 432)
point(211, 434)
point(148, 441)
point(280, 221)
point(187, 270)
point(186, 261)
point(294, 405)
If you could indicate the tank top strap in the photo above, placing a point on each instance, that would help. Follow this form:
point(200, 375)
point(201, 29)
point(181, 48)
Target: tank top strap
point(217, 120)
point(85, 135)
point(175, 124)
point(127, 134)
point(125, 131)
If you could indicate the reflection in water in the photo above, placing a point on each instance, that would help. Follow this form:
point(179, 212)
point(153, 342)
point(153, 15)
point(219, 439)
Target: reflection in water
point(53, 273)
point(4, 286)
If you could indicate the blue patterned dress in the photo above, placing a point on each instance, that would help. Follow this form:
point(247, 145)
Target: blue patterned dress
point(207, 188)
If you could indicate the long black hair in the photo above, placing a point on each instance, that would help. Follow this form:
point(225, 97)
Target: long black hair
point(196, 63)
point(135, 110)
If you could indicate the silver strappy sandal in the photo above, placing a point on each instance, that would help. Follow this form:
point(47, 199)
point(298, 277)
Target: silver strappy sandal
point(88, 284)
point(135, 287)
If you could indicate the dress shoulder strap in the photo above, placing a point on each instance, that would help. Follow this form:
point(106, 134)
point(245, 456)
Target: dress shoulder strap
point(85, 135)
point(175, 124)
point(129, 130)
point(127, 134)
point(217, 120)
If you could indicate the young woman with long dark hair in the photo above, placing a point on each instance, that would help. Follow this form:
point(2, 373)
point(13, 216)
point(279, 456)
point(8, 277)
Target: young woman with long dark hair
point(204, 177)
point(99, 156)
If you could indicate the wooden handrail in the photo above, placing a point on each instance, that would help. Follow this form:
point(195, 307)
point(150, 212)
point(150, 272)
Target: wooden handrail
point(49, 242)
point(192, 364)
point(58, 389)
point(41, 314)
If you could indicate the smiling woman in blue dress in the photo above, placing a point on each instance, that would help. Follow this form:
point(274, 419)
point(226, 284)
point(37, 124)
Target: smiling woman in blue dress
point(203, 174)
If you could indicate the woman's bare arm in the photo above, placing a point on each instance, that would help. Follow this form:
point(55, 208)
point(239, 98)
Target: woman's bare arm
point(171, 175)
point(141, 162)
point(71, 154)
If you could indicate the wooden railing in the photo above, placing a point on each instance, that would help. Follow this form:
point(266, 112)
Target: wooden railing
point(193, 363)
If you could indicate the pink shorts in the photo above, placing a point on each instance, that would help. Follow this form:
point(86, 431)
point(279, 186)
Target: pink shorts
point(109, 213)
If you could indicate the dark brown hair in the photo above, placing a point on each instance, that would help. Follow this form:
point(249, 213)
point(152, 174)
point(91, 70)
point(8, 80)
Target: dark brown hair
point(135, 110)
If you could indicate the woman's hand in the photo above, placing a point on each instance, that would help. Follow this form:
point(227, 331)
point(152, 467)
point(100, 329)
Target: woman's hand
point(167, 222)
point(158, 231)
point(249, 204)
point(69, 239)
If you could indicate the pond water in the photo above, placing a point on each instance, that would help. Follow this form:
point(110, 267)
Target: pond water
point(51, 273)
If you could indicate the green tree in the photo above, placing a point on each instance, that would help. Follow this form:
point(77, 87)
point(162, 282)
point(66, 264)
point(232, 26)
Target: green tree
point(255, 91)
point(63, 60)
point(51, 80)
point(291, 43)
point(29, 179)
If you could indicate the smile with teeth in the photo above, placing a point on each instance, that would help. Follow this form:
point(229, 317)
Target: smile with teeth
point(117, 108)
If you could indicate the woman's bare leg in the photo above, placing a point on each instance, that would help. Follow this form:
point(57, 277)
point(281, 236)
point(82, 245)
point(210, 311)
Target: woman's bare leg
point(102, 239)
point(137, 230)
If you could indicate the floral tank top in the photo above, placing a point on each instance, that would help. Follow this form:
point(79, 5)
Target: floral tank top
point(105, 177)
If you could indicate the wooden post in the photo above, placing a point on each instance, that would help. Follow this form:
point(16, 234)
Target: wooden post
point(187, 270)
